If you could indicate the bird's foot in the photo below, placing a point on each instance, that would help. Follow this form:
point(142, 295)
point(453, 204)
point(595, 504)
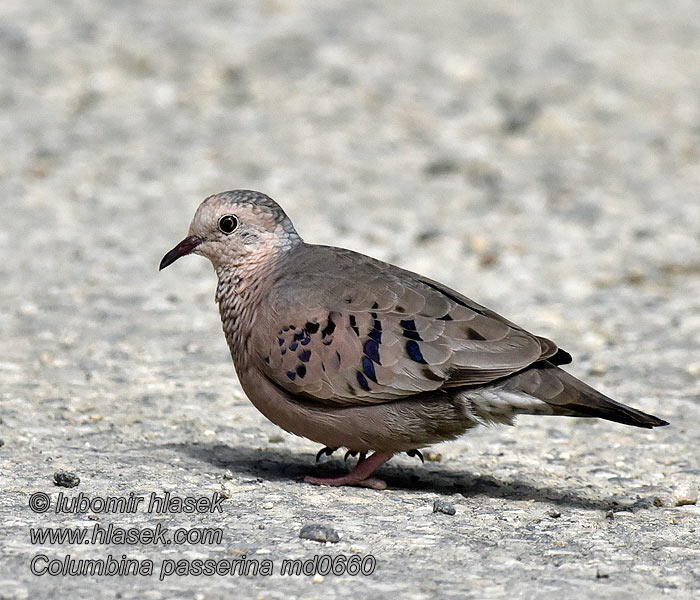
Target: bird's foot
point(363, 455)
point(360, 475)
point(417, 453)
point(327, 451)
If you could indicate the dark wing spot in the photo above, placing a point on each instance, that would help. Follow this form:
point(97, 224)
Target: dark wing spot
point(292, 375)
point(400, 309)
point(281, 341)
point(293, 346)
point(284, 329)
point(305, 341)
point(329, 328)
point(283, 351)
point(362, 381)
point(292, 327)
point(340, 360)
point(323, 367)
point(352, 390)
point(305, 355)
point(376, 333)
point(414, 353)
point(412, 335)
point(368, 368)
point(473, 334)
point(408, 324)
point(299, 336)
point(430, 374)
point(375, 305)
point(347, 299)
point(267, 359)
point(353, 324)
point(447, 317)
point(301, 371)
point(372, 350)
point(312, 327)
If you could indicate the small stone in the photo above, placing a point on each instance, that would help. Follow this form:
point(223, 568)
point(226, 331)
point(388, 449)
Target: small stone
point(440, 506)
point(610, 515)
point(602, 573)
point(658, 501)
point(686, 493)
point(275, 439)
point(261, 526)
point(319, 533)
point(93, 517)
point(431, 456)
point(66, 479)
point(553, 513)
point(227, 475)
point(2, 442)
point(317, 578)
point(268, 505)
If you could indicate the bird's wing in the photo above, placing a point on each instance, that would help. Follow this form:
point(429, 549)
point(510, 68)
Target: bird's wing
point(352, 330)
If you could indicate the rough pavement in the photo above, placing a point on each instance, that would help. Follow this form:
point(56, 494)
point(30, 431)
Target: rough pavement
point(543, 158)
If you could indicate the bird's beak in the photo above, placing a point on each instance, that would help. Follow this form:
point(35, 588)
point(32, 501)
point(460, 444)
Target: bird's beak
point(186, 246)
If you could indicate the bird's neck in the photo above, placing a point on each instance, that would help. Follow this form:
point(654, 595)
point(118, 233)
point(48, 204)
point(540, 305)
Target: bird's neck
point(239, 293)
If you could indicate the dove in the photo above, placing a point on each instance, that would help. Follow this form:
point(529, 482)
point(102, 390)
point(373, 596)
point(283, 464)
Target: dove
point(353, 352)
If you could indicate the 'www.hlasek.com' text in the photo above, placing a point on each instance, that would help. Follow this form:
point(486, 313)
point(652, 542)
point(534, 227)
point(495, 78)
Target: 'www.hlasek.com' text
point(115, 564)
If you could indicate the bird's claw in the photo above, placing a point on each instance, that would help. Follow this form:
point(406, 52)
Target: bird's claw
point(417, 453)
point(363, 455)
point(327, 451)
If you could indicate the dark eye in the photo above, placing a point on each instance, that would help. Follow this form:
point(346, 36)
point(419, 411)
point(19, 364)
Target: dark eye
point(228, 224)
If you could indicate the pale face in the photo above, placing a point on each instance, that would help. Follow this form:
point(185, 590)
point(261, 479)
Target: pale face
point(235, 228)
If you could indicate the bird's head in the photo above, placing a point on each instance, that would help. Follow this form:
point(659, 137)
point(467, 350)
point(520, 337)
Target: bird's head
point(236, 228)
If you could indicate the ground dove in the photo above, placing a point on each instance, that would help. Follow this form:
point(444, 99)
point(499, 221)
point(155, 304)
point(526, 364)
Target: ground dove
point(350, 351)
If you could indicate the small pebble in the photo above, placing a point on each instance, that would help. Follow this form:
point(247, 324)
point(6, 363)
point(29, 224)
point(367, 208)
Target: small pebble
point(319, 533)
point(317, 578)
point(227, 475)
point(275, 439)
point(555, 514)
point(2, 442)
point(268, 505)
point(658, 501)
point(66, 479)
point(444, 507)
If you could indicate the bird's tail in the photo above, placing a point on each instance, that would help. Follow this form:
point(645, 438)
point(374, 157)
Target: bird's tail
point(566, 395)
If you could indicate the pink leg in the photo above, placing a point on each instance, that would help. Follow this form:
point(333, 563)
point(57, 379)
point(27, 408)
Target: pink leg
point(360, 475)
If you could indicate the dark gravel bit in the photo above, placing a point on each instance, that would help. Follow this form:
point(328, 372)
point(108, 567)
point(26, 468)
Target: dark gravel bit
point(319, 533)
point(66, 479)
point(444, 507)
point(2, 442)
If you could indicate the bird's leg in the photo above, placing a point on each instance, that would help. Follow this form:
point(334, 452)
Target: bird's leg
point(416, 453)
point(327, 451)
point(360, 475)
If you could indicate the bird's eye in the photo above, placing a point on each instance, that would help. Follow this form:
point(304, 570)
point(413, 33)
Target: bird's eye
point(228, 224)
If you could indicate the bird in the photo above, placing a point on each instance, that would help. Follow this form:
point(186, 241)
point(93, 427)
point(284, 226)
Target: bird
point(350, 351)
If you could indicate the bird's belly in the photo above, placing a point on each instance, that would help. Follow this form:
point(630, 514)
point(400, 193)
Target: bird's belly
point(388, 426)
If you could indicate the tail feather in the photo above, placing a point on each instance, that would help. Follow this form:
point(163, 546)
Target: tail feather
point(569, 396)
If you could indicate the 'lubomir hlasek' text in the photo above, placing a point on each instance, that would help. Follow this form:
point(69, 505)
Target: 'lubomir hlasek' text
point(154, 503)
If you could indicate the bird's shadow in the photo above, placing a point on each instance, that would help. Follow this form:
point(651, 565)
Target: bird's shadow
point(269, 464)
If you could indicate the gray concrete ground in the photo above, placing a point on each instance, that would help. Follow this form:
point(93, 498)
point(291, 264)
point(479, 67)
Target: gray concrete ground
point(541, 157)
